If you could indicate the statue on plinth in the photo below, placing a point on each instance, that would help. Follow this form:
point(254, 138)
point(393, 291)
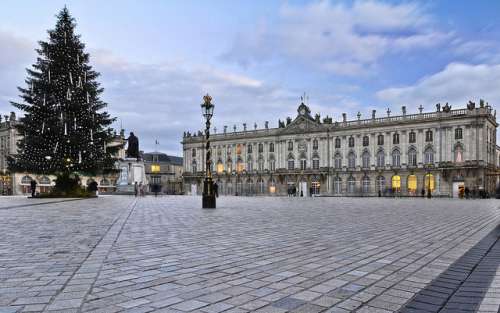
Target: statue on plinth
point(133, 146)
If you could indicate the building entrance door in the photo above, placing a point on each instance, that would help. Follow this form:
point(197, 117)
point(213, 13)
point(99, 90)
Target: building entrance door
point(303, 189)
point(458, 188)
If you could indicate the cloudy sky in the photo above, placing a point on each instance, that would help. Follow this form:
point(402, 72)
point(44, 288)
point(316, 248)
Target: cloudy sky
point(256, 58)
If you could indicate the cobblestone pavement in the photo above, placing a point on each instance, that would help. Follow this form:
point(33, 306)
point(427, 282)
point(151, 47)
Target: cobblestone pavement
point(116, 254)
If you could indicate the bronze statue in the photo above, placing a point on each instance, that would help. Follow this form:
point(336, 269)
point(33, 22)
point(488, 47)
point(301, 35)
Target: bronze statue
point(133, 146)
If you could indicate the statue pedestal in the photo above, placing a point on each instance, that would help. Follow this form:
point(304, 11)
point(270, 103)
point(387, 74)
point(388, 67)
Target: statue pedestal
point(131, 171)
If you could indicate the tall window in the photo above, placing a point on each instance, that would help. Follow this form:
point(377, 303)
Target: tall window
point(271, 147)
point(291, 164)
point(290, 145)
point(412, 184)
point(365, 184)
point(351, 142)
point(315, 164)
point(315, 144)
point(380, 184)
point(272, 165)
point(429, 156)
point(412, 157)
point(429, 182)
point(396, 158)
point(380, 158)
point(338, 161)
point(229, 165)
point(396, 183)
point(351, 185)
point(337, 143)
point(395, 139)
point(366, 141)
point(249, 148)
point(303, 164)
point(239, 166)
point(238, 149)
point(193, 153)
point(261, 148)
point(337, 185)
point(458, 133)
point(261, 165)
point(380, 140)
point(412, 137)
point(428, 136)
point(459, 154)
point(249, 165)
point(366, 159)
point(194, 167)
point(351, 160)
point(220, 167)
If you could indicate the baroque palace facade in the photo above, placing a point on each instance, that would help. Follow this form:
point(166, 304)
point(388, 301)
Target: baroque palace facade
point(444, 151)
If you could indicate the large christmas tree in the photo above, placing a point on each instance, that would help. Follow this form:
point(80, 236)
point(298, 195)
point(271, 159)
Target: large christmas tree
point(63, 129)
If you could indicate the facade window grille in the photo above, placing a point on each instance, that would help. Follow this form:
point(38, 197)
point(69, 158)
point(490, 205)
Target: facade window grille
point(458, 133)
point(429, 156)
point(395, 139)
point(351, 160)
point(291, 164)
point(315, 144)
point(412, 157)
point(380, 184)
point(412, 137)
point(428, 136)
point(351, 185)
point(366, 159)
point(249, 148)
point(261, 148)
point(290, 146)
point(366, 184)
point(396, 158)
point(316, 164)
point(271, 147)
point(272, 165)
point(303, 164)
point(351, 142)
point(381, 159)
point(337, 185)
point(338, 161)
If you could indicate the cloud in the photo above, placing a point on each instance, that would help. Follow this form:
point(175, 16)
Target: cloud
point(163, 100)
point(457, 84)
point(338, 38)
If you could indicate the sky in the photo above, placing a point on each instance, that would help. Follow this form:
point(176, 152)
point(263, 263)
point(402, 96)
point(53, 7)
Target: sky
point(257, 58)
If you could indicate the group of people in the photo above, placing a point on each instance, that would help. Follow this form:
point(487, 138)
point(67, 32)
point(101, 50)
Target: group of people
point(139, 189)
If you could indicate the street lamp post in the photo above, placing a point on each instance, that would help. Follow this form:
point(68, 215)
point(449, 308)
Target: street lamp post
point(208, 197)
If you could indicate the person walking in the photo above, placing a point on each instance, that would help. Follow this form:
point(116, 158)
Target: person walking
point(216, 189)
point(33, 188)
point(136, 189)
point(141, 189)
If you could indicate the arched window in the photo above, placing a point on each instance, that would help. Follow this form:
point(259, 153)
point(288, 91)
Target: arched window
point(193, 153)
point(272, 186)
point(338, 161)
point(291, 163)
point(429, 182)
point(229, 165)
point(396, 158)
point(271, 147)
point(412, 137)
point(46, 181)
point(458, 133)
point(351, 185)
point(351, 142)
point(429, 156)
point(261, 187)
point(380, 158)
point(249, 148)
point(459, 154)
point(380, 184)
point(337, 185)
point(395, 139)
point(290, 145)
point(396, 183)
point(26, 180)
point(194, 167)
point(337, 142)
point(351, 160)
point(428, 136)
point(315, 144)
point(303, 164)
point(365, 184)
point(220, 167)
point(412, 184)
point(238, 149)
point(412, 157)
point(239, 165)
point(366, 141)
point(365, 157)
point(261, 148)
point(380, 140)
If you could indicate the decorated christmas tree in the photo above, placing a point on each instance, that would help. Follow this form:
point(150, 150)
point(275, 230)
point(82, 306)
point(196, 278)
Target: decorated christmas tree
point(64, 129)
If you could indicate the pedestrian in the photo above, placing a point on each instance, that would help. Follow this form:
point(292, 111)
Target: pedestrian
point(136, 189)
point(33, 188)
point(141, 189)
point(423, 192)
point(216, 189)
point(467, 193)
point(379, 193)
point(310, 191)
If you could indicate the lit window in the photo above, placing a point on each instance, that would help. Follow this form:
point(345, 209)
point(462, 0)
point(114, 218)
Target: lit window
point(396, 183)
point(220, 167)
point(412, 184)
point(429, 182)
point(155, 168)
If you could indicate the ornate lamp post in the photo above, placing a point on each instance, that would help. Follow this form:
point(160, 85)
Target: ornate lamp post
point(207, 110)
